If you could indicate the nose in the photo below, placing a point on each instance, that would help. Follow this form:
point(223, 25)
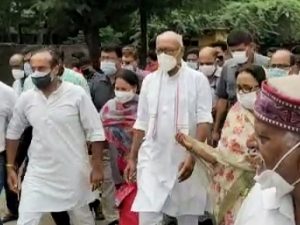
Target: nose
point(252, 142)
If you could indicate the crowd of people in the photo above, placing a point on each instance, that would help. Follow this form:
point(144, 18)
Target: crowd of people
point(199, 136)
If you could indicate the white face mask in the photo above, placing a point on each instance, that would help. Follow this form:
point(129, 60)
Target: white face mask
point(18, 74)
point(193, 65)
point(247, 100)
point(124, 96)
point(27, 69)
point(208, 70)
point(129, 67)
point(273, 186)
point(240, 57)
point(109, 68)
point(166, 62)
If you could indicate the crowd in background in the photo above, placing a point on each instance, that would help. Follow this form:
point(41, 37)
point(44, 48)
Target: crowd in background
point(174, 142)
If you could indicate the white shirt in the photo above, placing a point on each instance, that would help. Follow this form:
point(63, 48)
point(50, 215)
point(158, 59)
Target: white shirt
point(7, 101)
point(58, 173)
point(159, 158)
point(253, 211)
point(17, 86)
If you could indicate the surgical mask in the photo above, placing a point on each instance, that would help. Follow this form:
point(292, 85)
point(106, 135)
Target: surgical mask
point(42, 79)
point(276, 72)
point(273, 186)
point(240, 57)
point(124, 96)
point(247, 100)
point(193, 65)
point(208, 70)
point(18, 74)
point(166, 62)
point(27, 69)
point(109, 68)
point(129, 67)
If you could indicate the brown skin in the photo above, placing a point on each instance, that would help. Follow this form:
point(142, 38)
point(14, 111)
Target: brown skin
point(16, 61)
point(168, 45)
point(42, 62)
point(273, 143)
point(282, 59)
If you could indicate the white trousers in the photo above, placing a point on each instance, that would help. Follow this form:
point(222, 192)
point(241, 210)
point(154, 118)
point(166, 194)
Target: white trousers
point(149, 218)
point(78, 216)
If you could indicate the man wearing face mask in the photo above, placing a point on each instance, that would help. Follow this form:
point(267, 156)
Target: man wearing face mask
point(275, 198)
point(61, 129)
point(281, 64)
point(174, 98)
point(240, 44)
point(111, 57)
point(17, 71)
point(209, 67)
point(100, 85)
point(130, 59)
point(192, 58)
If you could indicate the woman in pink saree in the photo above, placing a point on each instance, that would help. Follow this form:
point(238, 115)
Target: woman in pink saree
point(118, 116)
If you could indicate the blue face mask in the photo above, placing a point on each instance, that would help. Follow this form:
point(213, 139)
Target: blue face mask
point(276, 72)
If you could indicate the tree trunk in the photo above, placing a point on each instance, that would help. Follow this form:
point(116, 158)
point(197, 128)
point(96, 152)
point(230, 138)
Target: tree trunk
point(143, 24)
point(92, 40)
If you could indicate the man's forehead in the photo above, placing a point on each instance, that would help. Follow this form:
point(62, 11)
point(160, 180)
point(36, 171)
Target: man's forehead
point(111, 54)
point(280, 57)
point(41, 57)
point(167, 42)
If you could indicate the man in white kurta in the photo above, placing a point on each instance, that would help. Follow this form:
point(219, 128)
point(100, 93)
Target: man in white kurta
point(168, 104)
point(64, 119)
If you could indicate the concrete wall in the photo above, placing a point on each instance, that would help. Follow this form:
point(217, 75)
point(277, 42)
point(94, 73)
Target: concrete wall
point(6, 50)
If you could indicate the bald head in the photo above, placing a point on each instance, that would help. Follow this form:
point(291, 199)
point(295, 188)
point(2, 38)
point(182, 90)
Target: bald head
point(208, 56)
point(16, 61)
point(283, 59)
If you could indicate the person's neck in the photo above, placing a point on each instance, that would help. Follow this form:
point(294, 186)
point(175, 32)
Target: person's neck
point(51, 88)
point(175, 70)
point(296, 197)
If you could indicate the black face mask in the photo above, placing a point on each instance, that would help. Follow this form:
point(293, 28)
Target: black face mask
point(42, 82)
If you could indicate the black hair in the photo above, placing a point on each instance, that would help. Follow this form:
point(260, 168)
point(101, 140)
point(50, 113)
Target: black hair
point(30, 49)
point(222, 44)
point(152, 55)
point(113, 48)
point(194, 51)
point(272, 49)
point(296, 50)
point(84, 60)
point(256, 71)
point(238, 37)
point(130, 77)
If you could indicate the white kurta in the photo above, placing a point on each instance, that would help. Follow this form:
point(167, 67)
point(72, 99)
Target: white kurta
point(7, 101)
point(58, 173)
point(159, 158)
point(254, 212)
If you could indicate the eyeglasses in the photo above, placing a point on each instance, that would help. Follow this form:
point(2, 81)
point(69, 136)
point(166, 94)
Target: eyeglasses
point(247, 89)
point(167, 51)
point(280, 66)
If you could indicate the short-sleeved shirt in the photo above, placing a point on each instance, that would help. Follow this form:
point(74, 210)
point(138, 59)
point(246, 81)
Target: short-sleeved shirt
point(101, 89)
point(8, 99)
point(226, 88)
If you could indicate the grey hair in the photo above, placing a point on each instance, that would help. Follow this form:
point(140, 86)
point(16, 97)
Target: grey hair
point(172, 34)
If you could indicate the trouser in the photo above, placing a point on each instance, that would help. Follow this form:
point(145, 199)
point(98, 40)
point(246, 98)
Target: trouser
point(156, 218)
point(108, 191)
point(11, 197)
point(80, 216)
